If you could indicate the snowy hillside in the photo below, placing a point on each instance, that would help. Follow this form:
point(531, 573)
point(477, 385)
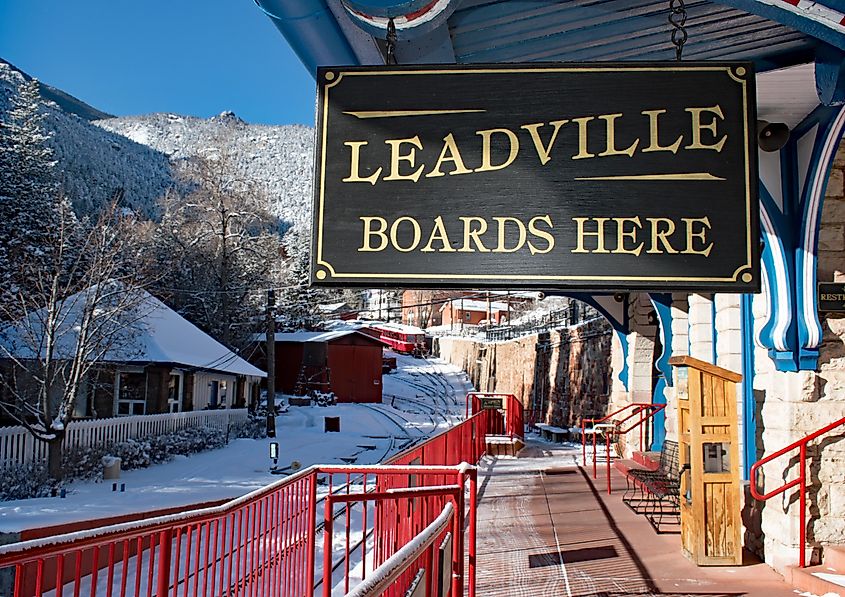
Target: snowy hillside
point(95, 163)
point(135, 155)
point(278, 158)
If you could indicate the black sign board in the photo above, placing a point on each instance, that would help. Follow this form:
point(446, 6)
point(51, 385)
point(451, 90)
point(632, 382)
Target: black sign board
point(832, 297)
point(599, 176)
point(492, 402)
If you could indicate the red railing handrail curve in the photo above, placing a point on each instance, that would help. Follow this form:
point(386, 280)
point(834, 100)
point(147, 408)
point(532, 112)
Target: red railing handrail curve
point(637, 408)
point(801, 444)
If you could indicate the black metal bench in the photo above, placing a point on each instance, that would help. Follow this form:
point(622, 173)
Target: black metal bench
point(656, 493)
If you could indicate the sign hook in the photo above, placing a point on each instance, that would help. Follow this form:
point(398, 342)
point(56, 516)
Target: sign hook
point(391, 42)
point(678, 18)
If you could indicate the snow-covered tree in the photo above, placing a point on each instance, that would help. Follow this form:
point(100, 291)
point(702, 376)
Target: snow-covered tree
point(85, 299)
point(30, 203)
point(219, 248)
point(297, 309)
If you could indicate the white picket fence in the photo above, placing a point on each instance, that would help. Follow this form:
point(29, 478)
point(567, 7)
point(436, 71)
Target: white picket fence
point(17, 446)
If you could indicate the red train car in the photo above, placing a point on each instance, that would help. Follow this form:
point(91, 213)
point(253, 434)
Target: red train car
point(405, 339)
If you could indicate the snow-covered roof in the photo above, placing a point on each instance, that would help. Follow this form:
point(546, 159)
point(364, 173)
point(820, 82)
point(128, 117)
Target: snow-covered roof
point(399, 327)
point(158, 335)
point(332, 307)
point(317, 336)
point(464, 304)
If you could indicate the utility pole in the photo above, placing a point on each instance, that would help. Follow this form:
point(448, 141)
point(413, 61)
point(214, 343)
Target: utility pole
point(271, 362)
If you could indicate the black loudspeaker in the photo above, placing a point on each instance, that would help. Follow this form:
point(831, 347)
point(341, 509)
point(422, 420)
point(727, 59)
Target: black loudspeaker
point(771, 136)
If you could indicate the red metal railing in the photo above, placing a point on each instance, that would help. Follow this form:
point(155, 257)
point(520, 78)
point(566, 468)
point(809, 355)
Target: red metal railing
point(264, 543)
point(801, 481)
point(639, 414)
point(509, 419)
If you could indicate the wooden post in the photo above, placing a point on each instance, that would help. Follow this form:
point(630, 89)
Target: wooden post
point(708, 455)
point(271, 362)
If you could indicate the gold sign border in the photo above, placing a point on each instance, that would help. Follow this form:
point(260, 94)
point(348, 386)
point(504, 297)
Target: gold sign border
point(334, 77)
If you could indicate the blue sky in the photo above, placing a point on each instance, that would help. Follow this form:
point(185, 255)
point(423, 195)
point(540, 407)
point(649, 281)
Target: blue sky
point(196, 57)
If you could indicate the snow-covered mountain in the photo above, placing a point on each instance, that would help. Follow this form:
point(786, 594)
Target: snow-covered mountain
point(100, 156)
point(277, 158)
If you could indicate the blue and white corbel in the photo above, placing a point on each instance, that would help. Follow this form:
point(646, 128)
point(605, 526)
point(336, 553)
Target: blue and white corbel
point(792, 188)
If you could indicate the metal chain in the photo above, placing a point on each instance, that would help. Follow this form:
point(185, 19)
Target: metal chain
point(678, 18)
point(391, 42)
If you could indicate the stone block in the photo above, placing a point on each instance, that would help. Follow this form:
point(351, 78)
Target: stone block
point(833, 211)
point(832, 238)
point(834, 183)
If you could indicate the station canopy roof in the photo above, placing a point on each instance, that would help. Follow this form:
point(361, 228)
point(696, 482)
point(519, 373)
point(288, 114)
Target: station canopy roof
point(774, 34)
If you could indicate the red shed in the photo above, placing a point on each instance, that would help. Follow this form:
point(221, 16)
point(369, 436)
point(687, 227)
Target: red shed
point(346, 362)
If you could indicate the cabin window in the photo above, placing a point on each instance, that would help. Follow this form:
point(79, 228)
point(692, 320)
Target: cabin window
point(131, 392)
point(174, 393)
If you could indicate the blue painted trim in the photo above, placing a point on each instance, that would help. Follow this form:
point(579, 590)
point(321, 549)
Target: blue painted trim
point(312, 32)
point(623, 374)
point(785, 17)
point(715, 337)
point(662, 303)
point(749, 405)
point(826, 144)
point(830, 75)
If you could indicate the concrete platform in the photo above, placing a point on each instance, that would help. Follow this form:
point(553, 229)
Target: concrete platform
point(545, 528)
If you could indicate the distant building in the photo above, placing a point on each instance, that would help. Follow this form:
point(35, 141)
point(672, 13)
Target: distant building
point(473, 312)
point(346, 362)
point(337, 311)
point(168, 365)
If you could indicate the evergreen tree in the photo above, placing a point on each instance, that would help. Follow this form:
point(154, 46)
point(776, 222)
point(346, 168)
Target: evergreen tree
point(298, 306)
point(30, 205)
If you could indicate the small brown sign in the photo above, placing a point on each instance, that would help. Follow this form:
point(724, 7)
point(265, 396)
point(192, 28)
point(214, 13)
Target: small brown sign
point(492, 402)
point(832, 297)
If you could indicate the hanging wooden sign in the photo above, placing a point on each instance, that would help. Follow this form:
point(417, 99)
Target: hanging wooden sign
point(595, 176)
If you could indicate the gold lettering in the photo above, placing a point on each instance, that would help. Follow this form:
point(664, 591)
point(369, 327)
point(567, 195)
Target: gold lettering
point(394, 234)
point(622, 234)
point(472, 235)
point(582, 138)
point(658, 236)
point(438, 233)
point(486, 150)
point(544, 153)
point(701, 235)
point(599, 234)
point(654, 135)
point(454, 156)
point(501, 248)
point(532, 228)
point(369, 232)
point(396, 158)
point(697, 127)
point(610, 119)
point(354, 164)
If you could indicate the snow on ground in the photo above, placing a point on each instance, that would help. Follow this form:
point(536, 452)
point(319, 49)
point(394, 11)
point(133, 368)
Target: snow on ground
point(420, 398)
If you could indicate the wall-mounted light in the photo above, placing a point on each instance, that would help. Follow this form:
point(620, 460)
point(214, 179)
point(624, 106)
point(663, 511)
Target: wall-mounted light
point(771, 136)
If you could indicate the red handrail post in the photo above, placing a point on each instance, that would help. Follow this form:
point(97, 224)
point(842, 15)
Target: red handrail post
point(328, 536)
point(165, 540)
point(458, 544)
point(473, 508)
point(583, 443)
point(803, 505)
point(595, 470)
point(607, 434)
point(312, 524)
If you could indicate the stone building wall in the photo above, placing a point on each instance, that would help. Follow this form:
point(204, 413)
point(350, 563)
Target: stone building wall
point(788, 405)
point(567, 374)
